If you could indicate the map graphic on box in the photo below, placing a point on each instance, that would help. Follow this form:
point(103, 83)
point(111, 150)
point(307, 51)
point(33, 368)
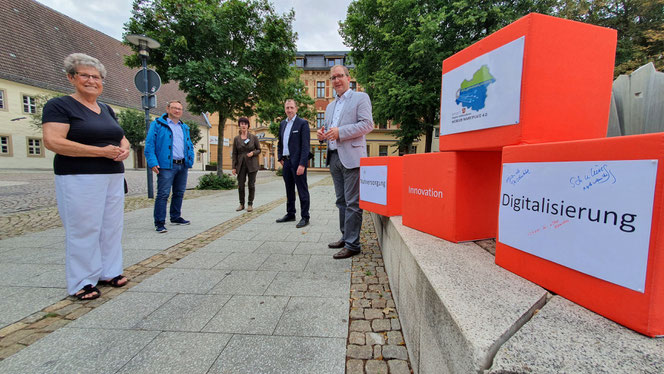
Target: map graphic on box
point(484, 92)
point(472, 94)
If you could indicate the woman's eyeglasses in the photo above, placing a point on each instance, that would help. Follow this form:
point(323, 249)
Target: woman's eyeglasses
point(85, 76)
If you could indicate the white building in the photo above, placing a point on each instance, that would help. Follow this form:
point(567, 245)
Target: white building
point(36, 39)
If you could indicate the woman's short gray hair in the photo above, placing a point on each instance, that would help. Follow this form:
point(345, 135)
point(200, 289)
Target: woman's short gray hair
point(81, 59)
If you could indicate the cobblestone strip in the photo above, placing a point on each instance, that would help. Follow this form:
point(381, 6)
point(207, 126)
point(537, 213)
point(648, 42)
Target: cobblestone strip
point(375, 341)
point(21, 334)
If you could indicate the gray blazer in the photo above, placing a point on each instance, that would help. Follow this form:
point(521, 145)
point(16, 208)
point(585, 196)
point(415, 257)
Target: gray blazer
point(355, 122)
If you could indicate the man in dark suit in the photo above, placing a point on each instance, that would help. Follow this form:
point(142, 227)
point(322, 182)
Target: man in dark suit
point(293, 154)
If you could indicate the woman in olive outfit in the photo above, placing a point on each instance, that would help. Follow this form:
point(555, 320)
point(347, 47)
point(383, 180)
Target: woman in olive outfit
point(246, 148)
point(89, 178)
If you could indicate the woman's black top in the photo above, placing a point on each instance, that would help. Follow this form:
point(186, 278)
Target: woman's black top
point(85, 127)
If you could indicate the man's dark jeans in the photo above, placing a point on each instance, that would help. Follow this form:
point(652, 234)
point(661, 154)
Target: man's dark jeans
point(167, 178)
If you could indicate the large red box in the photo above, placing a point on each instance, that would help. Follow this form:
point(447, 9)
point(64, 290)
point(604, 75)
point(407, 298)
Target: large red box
point(392, 191)
point(639, 309)
point(565, 84)
point(452, 195)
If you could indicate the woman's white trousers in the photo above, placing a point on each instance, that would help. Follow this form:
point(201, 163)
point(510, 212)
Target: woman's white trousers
point(91, 207)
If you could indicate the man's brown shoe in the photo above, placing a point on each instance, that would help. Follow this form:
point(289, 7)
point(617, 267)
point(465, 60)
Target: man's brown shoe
point(337, 244)
point(241, 207)
point(250, 208)
point(345, 253)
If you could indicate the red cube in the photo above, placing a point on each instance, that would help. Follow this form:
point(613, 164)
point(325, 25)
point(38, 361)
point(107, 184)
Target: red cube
point(452, 195)
point(584, 220)
point(380, 185)
point(565, 85)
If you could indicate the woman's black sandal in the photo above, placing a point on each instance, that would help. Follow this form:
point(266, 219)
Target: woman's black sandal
point(88, 290)
point(115, 282)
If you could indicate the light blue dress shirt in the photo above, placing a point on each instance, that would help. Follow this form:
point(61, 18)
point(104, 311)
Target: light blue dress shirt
point(287, 131)
point(336, 117)
point(178, 139)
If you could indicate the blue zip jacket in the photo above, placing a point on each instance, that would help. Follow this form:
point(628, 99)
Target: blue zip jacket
point(159, 144)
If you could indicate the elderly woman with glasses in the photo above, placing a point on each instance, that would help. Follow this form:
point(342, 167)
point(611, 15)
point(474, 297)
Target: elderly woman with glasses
point(89, 147)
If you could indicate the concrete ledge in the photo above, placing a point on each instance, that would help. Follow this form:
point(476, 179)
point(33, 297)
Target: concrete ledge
point(456, 306)
point(459, 310)
point(566, 338)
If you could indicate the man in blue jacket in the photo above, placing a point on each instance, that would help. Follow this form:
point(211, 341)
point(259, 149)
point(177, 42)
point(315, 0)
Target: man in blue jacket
point(169, 152)
point(293, 154)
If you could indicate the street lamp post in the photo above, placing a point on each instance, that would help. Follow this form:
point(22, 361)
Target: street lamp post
point(143, 82)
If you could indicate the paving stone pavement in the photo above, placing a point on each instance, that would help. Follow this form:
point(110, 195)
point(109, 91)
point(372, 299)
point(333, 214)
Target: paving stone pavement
point(26, 190)
point(233, 292)
point(27, 198)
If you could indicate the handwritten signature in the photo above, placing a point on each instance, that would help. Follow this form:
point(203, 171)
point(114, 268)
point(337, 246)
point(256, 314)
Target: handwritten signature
point(553, 225)
point(517, 176)
point(597, 174)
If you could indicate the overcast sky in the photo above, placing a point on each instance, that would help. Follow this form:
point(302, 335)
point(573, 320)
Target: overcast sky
point(316, 22)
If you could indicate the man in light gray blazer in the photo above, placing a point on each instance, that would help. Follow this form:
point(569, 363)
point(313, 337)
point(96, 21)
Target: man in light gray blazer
point(347, 120)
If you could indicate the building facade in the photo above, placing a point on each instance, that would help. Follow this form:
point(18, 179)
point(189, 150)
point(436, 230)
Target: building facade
point(31, 58)
point(316, 78)
point(315, 74)
point(36, 39)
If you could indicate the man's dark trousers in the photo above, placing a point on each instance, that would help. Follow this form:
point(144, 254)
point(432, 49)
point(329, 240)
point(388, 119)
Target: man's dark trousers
point(175, 178)
point(347, 190)
point(291, 179)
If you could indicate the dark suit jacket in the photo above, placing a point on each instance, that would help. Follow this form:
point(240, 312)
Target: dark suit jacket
point(298, 142)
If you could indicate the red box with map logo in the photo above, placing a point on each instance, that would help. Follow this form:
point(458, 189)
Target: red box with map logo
point(380, 184)
point(639, 308)
point(565, 86)
point(452, 195)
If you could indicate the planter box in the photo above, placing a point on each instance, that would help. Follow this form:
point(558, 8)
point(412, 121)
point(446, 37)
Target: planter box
point(210, 167)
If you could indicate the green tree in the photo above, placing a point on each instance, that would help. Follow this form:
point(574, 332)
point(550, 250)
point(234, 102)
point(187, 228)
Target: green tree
point(640, 26)
point(133, 123)
point(271, 112)
point(398, 48)
point(226, 55)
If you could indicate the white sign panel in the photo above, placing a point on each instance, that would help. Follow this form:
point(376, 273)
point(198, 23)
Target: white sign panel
point(227, 142)
point(590, 216)
point(484, 92)
point(373, 184)
point(214, 139)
